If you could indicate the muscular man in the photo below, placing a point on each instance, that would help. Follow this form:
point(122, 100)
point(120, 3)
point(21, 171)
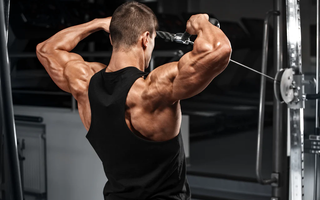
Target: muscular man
point(133, 119)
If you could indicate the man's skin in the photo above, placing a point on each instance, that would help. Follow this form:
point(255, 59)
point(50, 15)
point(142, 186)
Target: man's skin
point(153, 104)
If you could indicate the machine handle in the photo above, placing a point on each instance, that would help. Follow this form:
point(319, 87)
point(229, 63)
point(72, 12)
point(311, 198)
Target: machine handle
point(262, 100)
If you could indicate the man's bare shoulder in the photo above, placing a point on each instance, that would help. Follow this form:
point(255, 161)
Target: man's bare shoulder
point(153, 91)
point(147, 109)
point(168, 70)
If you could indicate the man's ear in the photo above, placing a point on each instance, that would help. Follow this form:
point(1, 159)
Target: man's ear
point(145, 39)
point(110, 39)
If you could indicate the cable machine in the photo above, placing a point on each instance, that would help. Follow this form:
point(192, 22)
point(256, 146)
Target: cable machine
point(289, 105)
point(290, 90)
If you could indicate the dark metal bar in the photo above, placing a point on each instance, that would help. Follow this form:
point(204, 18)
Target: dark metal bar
point(222, 176)
point(62, 93)
point(313, 97)
point(9, 127)
point(280, 158)
point(25, 118)
point(317, 63)
point(73, 104)
point(315, 195)
point(262, 101)
point(2, 150)
point(7, 186)
point(1, 154)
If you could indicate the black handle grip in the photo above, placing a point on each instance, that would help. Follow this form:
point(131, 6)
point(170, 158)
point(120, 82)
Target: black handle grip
point(185, 36)
point(215, 22)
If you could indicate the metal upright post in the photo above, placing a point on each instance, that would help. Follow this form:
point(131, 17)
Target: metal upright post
point(9, 126)
point(316, 156)
point(280, 161)
point(2, 148)
point(317, 63)
point(1, 154)
point(296, 106)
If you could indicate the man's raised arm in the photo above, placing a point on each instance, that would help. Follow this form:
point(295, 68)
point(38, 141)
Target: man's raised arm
point(69, 70)
point(209, 57)
point(196, 69)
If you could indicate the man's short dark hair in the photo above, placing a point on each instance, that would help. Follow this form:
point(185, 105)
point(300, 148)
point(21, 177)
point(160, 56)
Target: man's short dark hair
point(129, 21)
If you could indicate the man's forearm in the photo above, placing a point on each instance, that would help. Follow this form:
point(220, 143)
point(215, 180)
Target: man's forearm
point(67, 39)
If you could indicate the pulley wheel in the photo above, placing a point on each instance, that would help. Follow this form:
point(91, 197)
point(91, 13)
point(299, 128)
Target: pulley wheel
point(286, 86)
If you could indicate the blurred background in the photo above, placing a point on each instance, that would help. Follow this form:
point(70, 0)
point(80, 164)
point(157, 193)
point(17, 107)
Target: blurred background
point(219, 125)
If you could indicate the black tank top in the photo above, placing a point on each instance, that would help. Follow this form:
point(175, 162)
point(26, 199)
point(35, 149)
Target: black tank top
point(136, 168)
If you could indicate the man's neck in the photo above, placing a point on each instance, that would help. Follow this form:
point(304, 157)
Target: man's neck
point(121, 59)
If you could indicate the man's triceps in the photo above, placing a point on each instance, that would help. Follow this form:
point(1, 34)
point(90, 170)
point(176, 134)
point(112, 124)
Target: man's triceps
point(78, 75)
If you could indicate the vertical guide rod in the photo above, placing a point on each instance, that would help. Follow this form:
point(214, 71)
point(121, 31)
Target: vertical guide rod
point(317, 63)
point(6, 94)
point(280, 159)
point(7, 11)
point(2, 146)
point(315, 190)
point(262, 101)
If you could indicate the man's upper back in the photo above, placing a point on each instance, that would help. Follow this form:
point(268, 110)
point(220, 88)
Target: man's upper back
point(146, 115)
point(136, 167)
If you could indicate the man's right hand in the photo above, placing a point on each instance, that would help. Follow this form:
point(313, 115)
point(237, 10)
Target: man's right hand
point(194, 23)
